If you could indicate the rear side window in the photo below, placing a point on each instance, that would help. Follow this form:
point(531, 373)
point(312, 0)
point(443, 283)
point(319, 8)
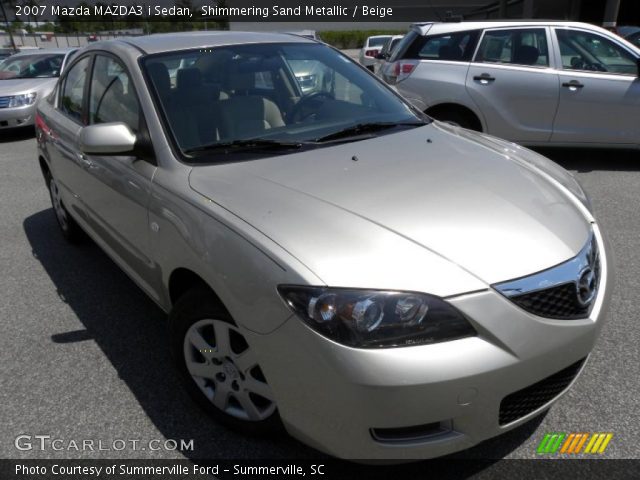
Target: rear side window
point(518, 46)
point(73, 90)
point(457, 46)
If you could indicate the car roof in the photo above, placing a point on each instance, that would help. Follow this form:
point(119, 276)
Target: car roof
point(46, 51)
point(436, 28)
point(168, 42)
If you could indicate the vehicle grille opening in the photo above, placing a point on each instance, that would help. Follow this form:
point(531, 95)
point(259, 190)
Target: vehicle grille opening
point(410, 434)
point(555, 302)
point(565, 292)
point(521, 403)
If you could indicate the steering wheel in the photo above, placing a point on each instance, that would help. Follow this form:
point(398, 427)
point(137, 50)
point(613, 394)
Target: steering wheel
point(307, 100)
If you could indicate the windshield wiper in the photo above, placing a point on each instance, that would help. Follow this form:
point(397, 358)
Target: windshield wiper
point(363, 128)
point(248, 144)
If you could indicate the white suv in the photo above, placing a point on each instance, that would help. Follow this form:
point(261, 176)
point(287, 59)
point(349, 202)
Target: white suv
point(560, 83)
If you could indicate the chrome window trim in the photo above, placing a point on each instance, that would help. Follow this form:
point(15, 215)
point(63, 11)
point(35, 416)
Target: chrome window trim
point(567, 272)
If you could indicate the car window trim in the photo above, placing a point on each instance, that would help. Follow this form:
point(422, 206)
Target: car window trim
point(63, 83)
point(565, 71)
point(104, 53)
point(519, 27)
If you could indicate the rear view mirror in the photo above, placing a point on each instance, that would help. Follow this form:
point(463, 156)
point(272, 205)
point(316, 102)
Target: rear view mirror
point(107, 139)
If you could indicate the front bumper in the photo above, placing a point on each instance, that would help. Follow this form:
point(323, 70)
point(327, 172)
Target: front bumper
point(336, 398)
point(17, 116)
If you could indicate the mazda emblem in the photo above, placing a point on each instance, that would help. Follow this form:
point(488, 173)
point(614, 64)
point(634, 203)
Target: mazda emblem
point(586, 287)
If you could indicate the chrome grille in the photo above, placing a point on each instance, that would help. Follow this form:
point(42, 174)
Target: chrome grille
point(566, 291)
point(4, 102)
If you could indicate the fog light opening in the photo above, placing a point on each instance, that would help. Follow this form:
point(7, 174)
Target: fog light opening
point(414, 433)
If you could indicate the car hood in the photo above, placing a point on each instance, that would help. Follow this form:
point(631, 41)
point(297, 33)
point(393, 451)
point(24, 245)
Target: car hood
point(453, 194)
point(24, 85)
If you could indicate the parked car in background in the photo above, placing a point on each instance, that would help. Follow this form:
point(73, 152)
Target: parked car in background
point(535, 83)
point(370, 50)
point(25, 78)
point(631, 34)
point(383, 285)
point(385, 53)
point(6, 52)
point(306, 33)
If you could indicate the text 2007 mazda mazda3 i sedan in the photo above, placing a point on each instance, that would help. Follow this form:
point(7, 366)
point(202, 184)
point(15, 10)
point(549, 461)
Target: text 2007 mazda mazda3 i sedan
point(332, 260)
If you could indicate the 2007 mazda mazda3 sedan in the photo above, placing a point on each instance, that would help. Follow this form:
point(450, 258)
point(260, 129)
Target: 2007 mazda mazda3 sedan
point(383, 285)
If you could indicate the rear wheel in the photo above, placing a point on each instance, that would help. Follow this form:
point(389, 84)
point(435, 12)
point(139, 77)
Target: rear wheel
point(459, 118)
point(68, 226)
point(218, 368)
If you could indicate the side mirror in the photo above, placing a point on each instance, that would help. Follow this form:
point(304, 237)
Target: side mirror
point(381, 56)
point(638, 62)
point(107, 139)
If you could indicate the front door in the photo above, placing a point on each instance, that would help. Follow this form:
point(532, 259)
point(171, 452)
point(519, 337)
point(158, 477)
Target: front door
point(117, 188)
point(600, 90)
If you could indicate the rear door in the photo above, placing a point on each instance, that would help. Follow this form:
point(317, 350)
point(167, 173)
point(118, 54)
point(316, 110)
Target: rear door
point(600, 90)
point(68, 118)
point(513, 84)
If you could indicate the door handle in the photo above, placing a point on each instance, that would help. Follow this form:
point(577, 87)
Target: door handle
point(485, 78)
point(86, 163)
point(573, 84)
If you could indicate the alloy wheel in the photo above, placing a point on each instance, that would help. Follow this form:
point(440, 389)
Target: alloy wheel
point(225, 369)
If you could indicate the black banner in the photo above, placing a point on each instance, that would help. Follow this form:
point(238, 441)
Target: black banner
point(440, 469)
point(243, 10)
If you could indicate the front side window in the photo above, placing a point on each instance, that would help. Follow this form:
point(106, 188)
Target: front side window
point(73, 90)
point(112, 98)
point(588, 51)
point(291, 95)
point(31, 66)
point(526, 47)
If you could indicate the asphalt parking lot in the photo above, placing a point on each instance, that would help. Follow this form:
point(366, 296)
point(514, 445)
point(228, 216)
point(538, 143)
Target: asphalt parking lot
point(83, 352)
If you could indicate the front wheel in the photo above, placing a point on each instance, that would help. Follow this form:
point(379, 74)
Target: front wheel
point(217, 366)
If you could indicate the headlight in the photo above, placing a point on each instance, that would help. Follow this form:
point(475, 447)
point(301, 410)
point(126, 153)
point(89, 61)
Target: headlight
point(374, 318)
point(22, 100)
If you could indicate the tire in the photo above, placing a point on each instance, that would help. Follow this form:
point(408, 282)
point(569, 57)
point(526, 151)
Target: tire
point(71, 231)
point(217, 366)
point(459, 119)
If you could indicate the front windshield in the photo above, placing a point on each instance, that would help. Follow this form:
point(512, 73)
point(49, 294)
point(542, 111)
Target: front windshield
point(31, 66)
point(285, 93)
